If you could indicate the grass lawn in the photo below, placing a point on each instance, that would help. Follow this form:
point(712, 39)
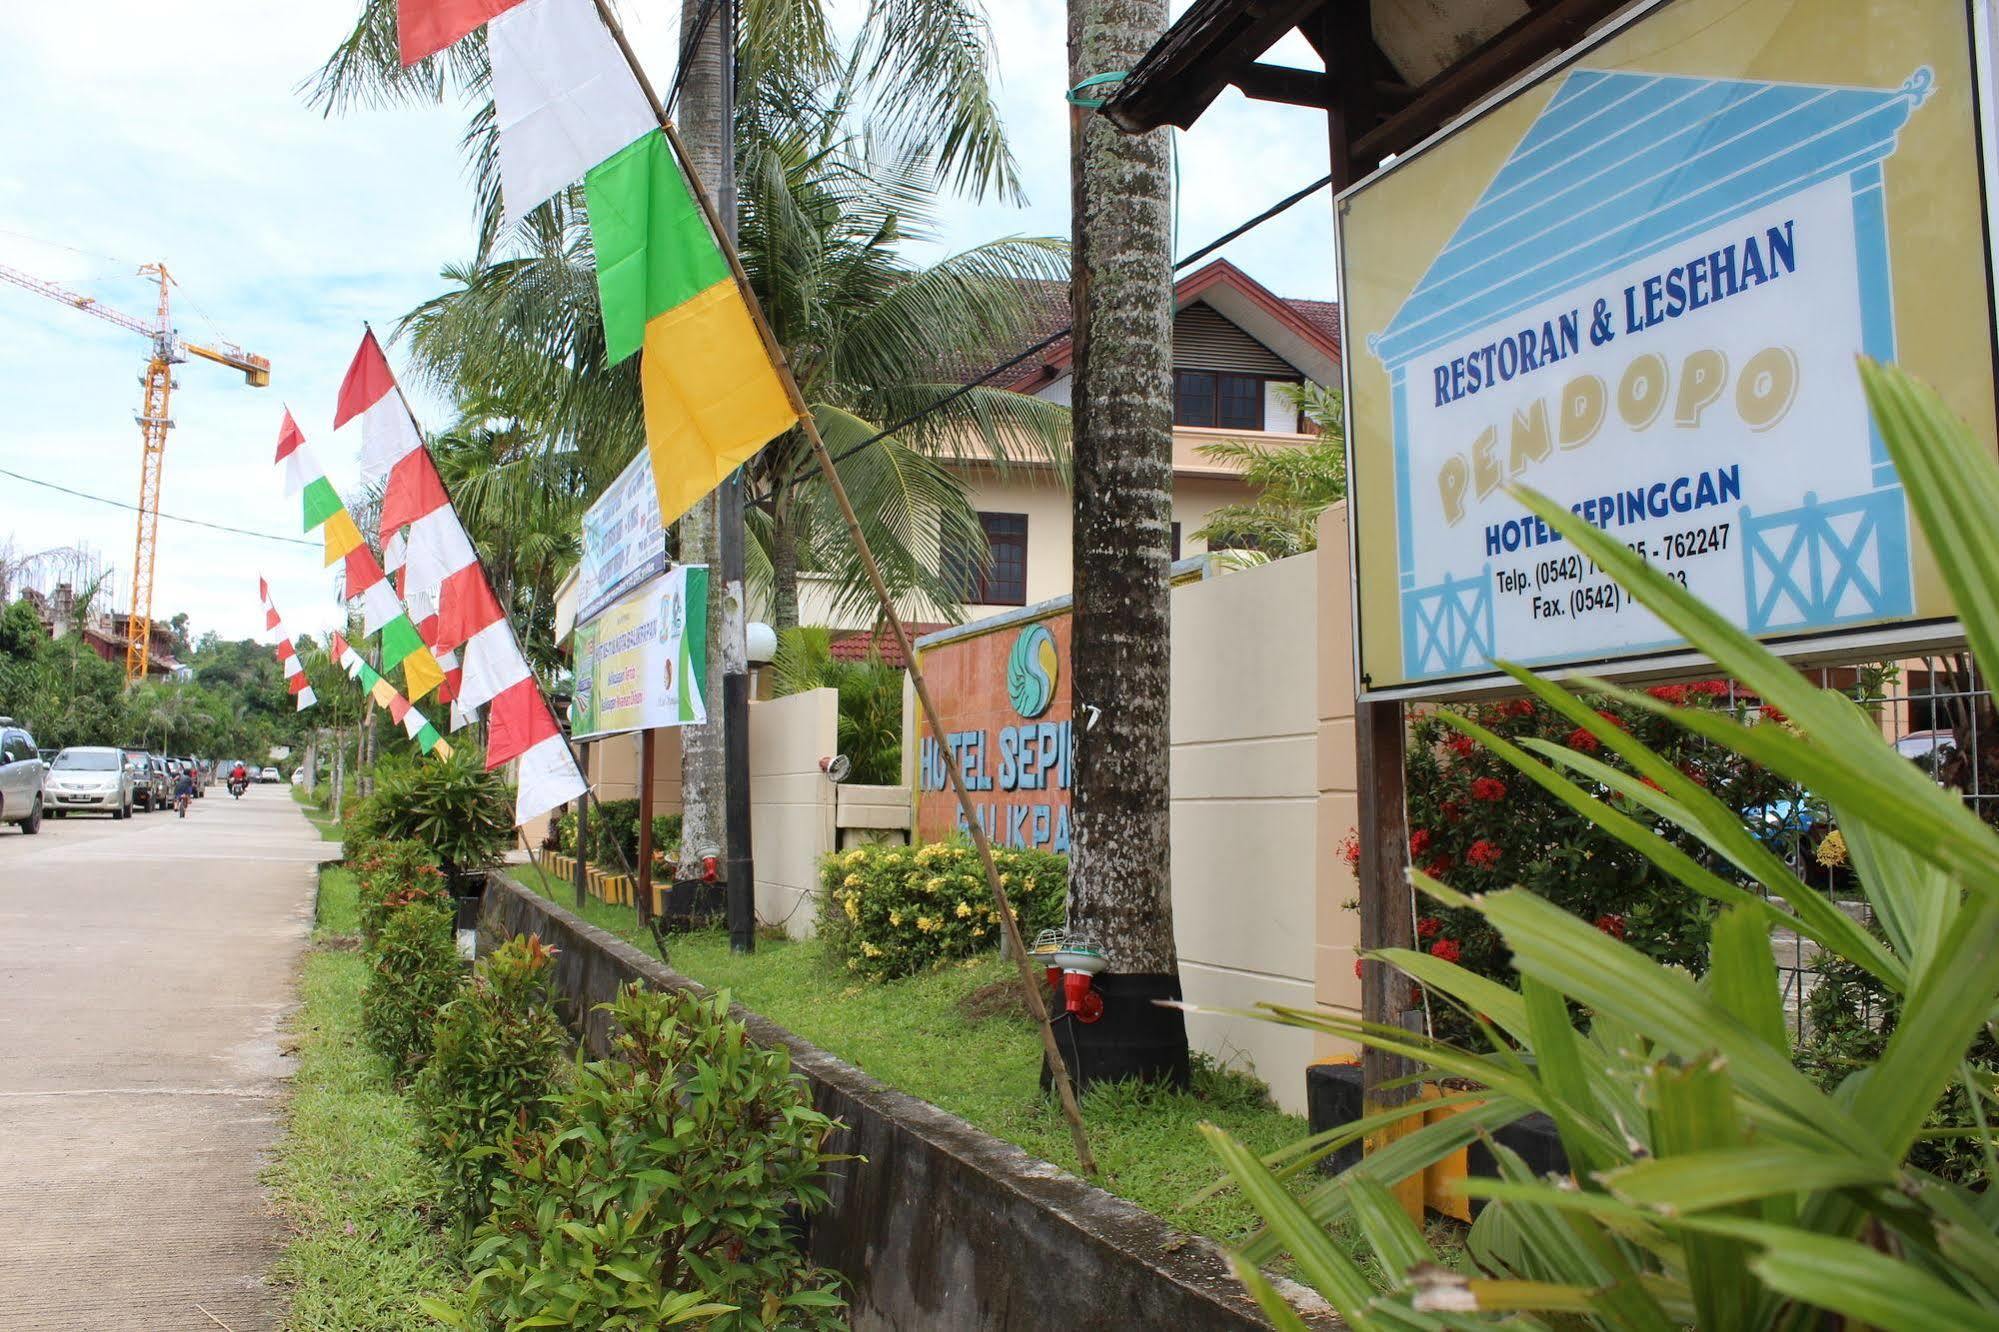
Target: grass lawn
point(347, 1176)
point(317, 816)
point(914, 1034)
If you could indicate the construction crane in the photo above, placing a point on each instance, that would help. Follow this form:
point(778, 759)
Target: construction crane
point(169, 350)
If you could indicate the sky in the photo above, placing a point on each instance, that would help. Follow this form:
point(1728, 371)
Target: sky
point(179, 133)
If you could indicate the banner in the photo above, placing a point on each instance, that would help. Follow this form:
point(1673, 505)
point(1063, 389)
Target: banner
point(639, 665)
point(1640, 285)
point(623, 543)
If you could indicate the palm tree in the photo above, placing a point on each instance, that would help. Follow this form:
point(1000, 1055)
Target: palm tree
point(1120, 876)
point(1294, 484)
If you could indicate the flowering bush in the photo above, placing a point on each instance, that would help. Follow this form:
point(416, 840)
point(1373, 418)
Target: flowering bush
point(389, 874)
point(1476, 824)
point(893, 910)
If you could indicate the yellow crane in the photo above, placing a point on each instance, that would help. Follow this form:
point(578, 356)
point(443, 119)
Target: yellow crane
point(169, 350)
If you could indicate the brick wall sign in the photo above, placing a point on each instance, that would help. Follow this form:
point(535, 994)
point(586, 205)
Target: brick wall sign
point(1004, 695)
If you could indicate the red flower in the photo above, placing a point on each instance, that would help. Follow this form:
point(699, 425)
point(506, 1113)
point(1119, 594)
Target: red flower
point(1488, 788)
point(1647, 781)
point(1771, 713)
point(1419, 842)
point(1694, 775)
point(1674, 694)
point(1356, 968)
point(1517, 707)
point(1427, 926)
point(1447, 949)
point(1582, 741)
point(1439, 867)
point(1452, 809)
point(1350, 850)
point(1461, 744)
point(1618, 722)
point(1612, 924)
point(1711, 688)
point(1483, 854)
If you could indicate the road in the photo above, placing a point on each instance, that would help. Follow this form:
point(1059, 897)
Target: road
point(144, 969)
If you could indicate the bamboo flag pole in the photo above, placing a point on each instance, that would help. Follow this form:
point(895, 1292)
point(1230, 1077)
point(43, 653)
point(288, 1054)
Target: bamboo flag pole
point(1030, 983)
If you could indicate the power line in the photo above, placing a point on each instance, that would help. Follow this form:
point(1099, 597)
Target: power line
point(1288, 202)
point(169, 517)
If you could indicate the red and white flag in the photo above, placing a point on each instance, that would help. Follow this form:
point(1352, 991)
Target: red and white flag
point(445, 582)
point(369, 392)
point(425, 27)
point(287, 655)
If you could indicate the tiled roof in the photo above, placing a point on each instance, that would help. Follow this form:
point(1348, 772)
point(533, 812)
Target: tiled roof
point(1321, 318)
point(860, 646)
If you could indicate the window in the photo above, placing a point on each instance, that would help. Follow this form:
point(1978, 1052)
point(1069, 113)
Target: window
point(1004, 582)
point(1206, 398)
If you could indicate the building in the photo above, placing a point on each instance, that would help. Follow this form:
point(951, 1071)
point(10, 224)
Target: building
point(1235, 343)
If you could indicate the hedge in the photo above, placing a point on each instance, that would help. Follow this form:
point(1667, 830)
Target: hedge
point(895, 910)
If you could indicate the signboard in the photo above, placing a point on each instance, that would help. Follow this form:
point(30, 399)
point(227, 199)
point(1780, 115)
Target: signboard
point(623, 543)
point(1003, 690)
point(639, 665)
point(1639, 285)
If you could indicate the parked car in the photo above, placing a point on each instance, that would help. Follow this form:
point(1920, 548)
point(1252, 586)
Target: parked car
point(22, 777)
point(162, 783)
point(194, 766)
point(90, 779)
point(140, 764)
point(269, 775)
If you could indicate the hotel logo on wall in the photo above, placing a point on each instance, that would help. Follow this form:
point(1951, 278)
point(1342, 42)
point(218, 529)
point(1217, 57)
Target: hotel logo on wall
point(1652, 312)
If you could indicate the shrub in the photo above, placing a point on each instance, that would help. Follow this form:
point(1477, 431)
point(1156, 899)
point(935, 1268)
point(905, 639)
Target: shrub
point(413, 971)
point(496, 1050)
point(1712, 1183)
point(894, 910)
point(390, 874)
point(454, 806)
point(660, 1192)
point(870, 721)
point(614, 834)
point(1477, 824)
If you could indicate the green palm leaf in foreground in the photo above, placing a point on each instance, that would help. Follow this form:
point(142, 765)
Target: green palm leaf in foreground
point(1715, 1185)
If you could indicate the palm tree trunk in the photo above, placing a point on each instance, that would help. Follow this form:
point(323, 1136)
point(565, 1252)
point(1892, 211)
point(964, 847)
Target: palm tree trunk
point(703, 773)
point(1120, 877)
point(783, 564)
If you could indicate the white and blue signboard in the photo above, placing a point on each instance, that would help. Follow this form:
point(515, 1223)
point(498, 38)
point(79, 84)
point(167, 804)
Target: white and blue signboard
point(623, 542)
point(1649, 306)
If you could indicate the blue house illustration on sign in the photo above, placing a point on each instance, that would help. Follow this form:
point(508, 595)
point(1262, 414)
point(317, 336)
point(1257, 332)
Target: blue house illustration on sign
point(1621, 165)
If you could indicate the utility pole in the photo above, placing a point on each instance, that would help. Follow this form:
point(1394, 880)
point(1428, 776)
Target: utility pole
point(1121, 293)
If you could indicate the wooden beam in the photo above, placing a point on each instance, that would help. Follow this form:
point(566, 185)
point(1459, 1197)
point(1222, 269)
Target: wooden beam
point(1279, 83)
point(1511, 52)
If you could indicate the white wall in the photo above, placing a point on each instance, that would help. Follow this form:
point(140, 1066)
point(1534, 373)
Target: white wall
point(792, 803)
point(1245, 810)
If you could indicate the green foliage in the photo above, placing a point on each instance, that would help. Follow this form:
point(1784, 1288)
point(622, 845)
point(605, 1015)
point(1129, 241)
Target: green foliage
point(1714, 1183)
point(893, 910)
point(454, 806)
point(389, 875)
point(614, 834)
point(1476, 824)
point(662, 1195)
point(1295, 483)
point(413, 971)
point(497, 1049)
point(870, 727)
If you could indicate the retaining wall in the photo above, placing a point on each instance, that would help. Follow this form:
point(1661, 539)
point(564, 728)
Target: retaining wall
point(941, 1227)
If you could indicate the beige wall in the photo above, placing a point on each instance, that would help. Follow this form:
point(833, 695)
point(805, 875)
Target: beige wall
point(1337, 928)
point(613, 769)
point(1245, 775)
point(792, 803)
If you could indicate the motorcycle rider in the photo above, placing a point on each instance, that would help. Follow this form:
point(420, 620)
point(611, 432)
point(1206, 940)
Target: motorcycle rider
point(239, 777)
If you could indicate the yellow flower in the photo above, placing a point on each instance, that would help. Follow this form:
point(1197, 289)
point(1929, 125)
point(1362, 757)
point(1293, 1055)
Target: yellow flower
point(857, 856)
point(964, 910)
point(925, 924)
point(853, 964)
point(1006, 880)
point(895, 918)
point(1832, 851)
point(870, 949)
point(852, 881)
point(853, 906)
point(933, 885)
point(978, 931)
point(993, 916)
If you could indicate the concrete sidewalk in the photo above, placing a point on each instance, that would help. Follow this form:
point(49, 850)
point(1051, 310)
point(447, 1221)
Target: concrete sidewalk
point(144, 968)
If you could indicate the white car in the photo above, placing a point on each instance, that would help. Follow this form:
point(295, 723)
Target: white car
point(269, 775)
point(89, 778)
